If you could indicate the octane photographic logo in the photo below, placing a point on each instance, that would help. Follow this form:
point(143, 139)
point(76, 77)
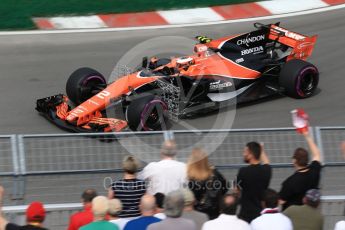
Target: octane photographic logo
point(140, 144)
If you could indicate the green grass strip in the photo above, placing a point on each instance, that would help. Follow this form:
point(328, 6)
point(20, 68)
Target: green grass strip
point(17, 14)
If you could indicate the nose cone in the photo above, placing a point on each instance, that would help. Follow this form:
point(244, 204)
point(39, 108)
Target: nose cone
point(71, 118)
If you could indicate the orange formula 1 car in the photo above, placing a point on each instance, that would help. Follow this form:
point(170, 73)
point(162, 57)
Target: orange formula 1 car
point(240, 68)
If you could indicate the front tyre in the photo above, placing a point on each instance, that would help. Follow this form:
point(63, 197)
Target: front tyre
point(299, 78)
point(83, 84)
point(148, 113)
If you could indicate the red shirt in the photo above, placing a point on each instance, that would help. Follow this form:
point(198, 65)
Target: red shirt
point(80, 219)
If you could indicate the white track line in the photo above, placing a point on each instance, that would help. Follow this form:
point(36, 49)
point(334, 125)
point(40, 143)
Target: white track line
point(190, 16)
point(39, 32)
point(275, 7)
point(84, 22)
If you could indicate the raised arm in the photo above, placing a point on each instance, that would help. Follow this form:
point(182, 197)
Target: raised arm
point(263, 157)
point(315, 151)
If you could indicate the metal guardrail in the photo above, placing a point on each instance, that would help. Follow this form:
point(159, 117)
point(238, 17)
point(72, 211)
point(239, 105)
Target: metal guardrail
point(25, 148)
point(21, 145)
point(8, 150)
point(48, 207)
point(57, 214)
point(69, 149)
point(329, 140)
point(77, 152)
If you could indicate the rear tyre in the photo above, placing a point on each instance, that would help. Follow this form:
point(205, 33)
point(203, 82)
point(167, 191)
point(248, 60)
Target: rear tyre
point(148, 113)
point(299, 78)
point(83, 84)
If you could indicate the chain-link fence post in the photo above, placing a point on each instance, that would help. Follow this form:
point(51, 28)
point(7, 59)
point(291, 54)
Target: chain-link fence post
point(21, 151)
point(15, 160)
point(19, 179)
point(15, 167)
point(318, 139)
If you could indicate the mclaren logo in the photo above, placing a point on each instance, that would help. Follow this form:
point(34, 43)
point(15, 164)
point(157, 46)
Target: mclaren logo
point(246, 41)
point(290, 34)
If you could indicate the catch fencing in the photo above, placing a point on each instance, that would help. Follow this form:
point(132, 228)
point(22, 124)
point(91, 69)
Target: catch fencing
point(56, 168)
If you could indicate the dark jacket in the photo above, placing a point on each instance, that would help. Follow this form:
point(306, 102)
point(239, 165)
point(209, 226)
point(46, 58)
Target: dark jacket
point(208, 193)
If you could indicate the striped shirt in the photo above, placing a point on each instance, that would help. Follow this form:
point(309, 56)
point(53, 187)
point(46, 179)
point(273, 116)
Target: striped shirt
point(129, 191)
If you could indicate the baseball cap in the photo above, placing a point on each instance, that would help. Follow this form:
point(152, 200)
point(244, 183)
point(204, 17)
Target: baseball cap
point(35, 212)
point(313, 195)
point(189, 197)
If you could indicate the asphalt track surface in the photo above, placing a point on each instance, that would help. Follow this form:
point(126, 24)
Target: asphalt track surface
point(35, 66)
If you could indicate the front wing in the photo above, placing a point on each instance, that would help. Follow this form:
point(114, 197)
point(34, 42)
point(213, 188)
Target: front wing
point(55, 109)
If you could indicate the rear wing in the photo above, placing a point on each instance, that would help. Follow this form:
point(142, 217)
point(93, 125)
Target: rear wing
point(302, 45)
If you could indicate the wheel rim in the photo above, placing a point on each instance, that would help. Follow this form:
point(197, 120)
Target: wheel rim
point(152, 121)
point(306, 81)
point(88, 85)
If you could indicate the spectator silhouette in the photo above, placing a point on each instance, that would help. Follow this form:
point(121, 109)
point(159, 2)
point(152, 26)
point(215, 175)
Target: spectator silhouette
point(100, 208)
point(207, 184)
point(174, 175)
point(271, 218)
point(35, 215)
point(253, 180)
point(115, 208)
point(128, 190)
point(305, 177)
point(306, 216)
point(199, 218)
point(227, 219)
point(340, 225)
point(84, 217)
point(148, 209)
point(173, 208)
point(159, 206)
